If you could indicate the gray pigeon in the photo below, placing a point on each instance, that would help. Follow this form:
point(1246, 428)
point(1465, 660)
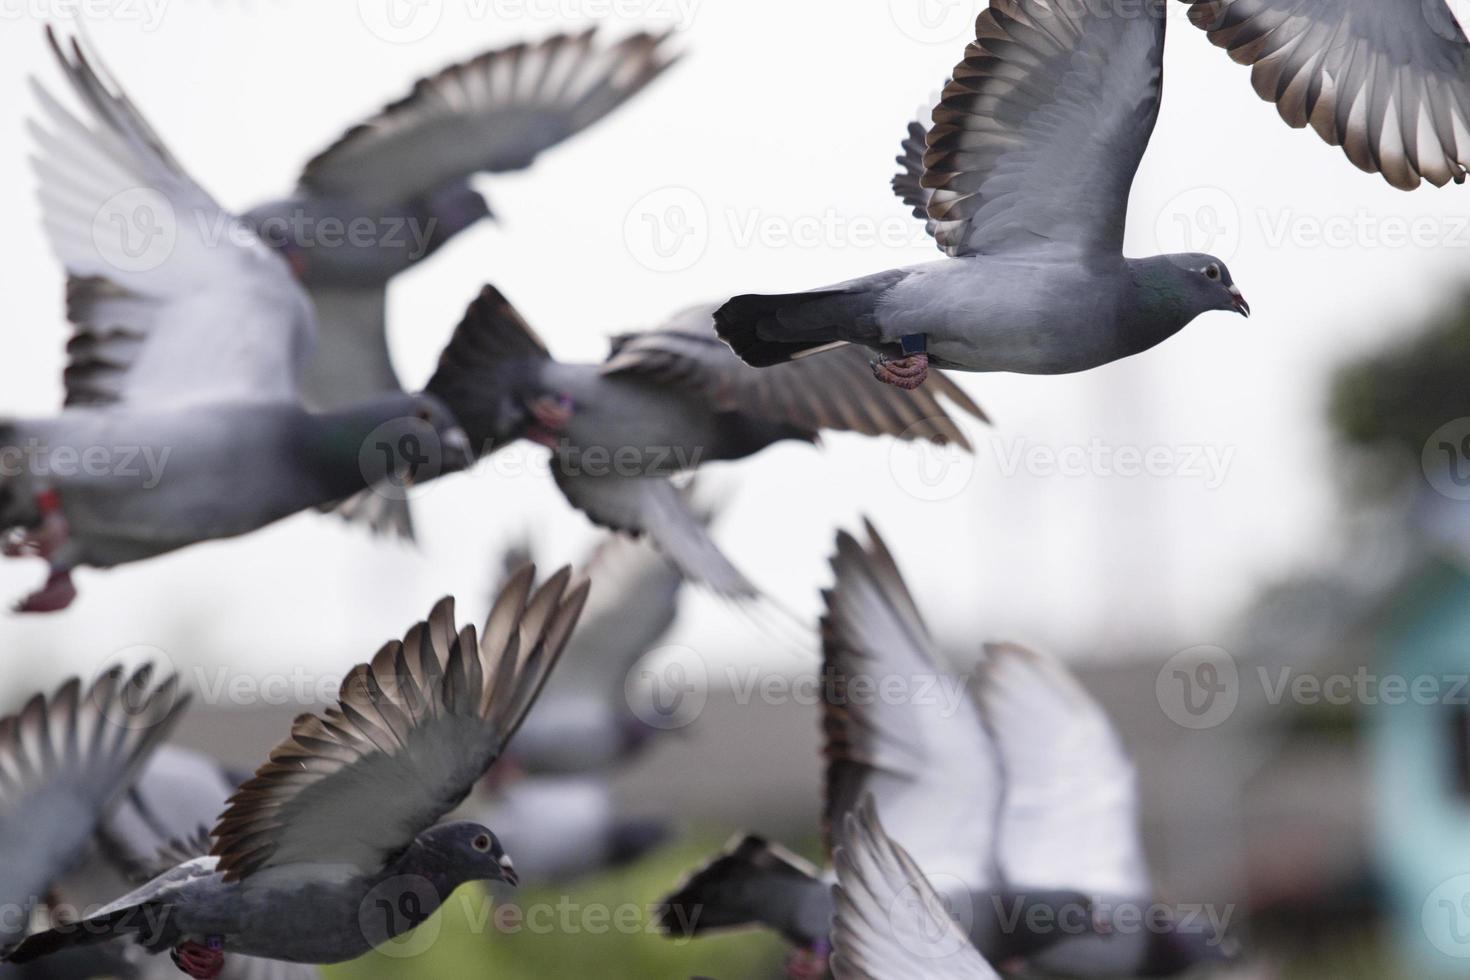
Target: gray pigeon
point(1026, 175)
point(183, 420)
point(1007, 784)
point(664, 403)
point(925, 754)
point(332, 847)
point(891, 922)
point(63, 762)
point(1387, 80)
point(403, 179)
point(583, 723)
point(562, 828)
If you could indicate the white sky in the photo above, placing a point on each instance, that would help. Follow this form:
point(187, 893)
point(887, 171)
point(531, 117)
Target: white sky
point(784, 116)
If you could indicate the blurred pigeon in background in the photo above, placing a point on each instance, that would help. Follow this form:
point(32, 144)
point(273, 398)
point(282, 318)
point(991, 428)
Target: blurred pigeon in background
point(562, 828)
point(63, 762)
point(404, 178)
point(664, 402)
point(1026, 174)
point(583, 722)
point(343, 816)
point(890, 920)
point(1386, 80)
point(926, 756)
point(182, 421)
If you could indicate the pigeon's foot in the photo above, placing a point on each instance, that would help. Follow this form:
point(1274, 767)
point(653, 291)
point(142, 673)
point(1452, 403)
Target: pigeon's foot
point(45, 538)
point(201, 961)
point(58, 593)
point(552, 416)
point(808, 963)
point(907, 373)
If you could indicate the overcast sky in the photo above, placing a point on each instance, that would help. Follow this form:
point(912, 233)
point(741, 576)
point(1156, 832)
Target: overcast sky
point(761, 163)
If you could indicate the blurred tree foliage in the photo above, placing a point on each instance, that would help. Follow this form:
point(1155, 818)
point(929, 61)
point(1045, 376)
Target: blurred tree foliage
point(1395, 398)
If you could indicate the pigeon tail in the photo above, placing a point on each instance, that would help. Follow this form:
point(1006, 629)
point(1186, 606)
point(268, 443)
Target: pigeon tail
point(492, 351)
point(768, 330)
point(751, 883)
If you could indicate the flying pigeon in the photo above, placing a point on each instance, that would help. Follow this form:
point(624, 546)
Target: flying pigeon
point(890, 920)
point(1024, 185)
point(1007, 784)
point(332, 848)
point(63, 762)
point(403, 179)
point(583, 723)
point(1387, 80)
point(663, 403)
point(183, 420)
point(925, 755)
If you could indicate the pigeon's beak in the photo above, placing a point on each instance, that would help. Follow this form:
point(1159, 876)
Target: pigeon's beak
point(508, 871)
point(1238, 298)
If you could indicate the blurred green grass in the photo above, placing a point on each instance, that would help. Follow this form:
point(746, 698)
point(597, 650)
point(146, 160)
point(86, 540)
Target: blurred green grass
point(609, 934)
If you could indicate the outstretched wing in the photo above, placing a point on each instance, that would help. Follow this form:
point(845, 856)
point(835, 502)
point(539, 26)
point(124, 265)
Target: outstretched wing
point(172, 299)
point(834, 391)
point(495, 113)
point(889, 921)
point(1070, 818)
point(1387, 80)
point(900, 723)
point(1038, 135)
point(411, 734)
point(64, 761)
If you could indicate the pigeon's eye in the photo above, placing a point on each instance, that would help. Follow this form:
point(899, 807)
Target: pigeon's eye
point(1212, 272)
point(481, 843)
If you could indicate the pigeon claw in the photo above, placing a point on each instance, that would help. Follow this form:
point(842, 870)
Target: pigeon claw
point(907, 373)
point(58, 593)
point(808, 963)
point(203, 962)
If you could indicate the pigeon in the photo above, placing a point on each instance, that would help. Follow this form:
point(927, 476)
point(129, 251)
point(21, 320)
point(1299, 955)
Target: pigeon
point(332, 848)
point(663, 403)
point(403, 179)
point(925, 755)
point(583, 723)
point(890, 921)
point(1387, 80)
point(64, 761)
point(183, 420)
point(563, 828)
point(1007, 783)
point(1024, 185)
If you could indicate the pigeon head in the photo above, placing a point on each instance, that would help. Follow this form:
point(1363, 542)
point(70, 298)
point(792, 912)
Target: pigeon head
point(466, 851)
point(1208, 283)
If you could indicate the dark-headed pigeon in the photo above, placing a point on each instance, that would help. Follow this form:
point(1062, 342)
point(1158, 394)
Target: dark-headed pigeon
point(332, 847)
point(663, 403)
point(1026, 173)
point(183, 420)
